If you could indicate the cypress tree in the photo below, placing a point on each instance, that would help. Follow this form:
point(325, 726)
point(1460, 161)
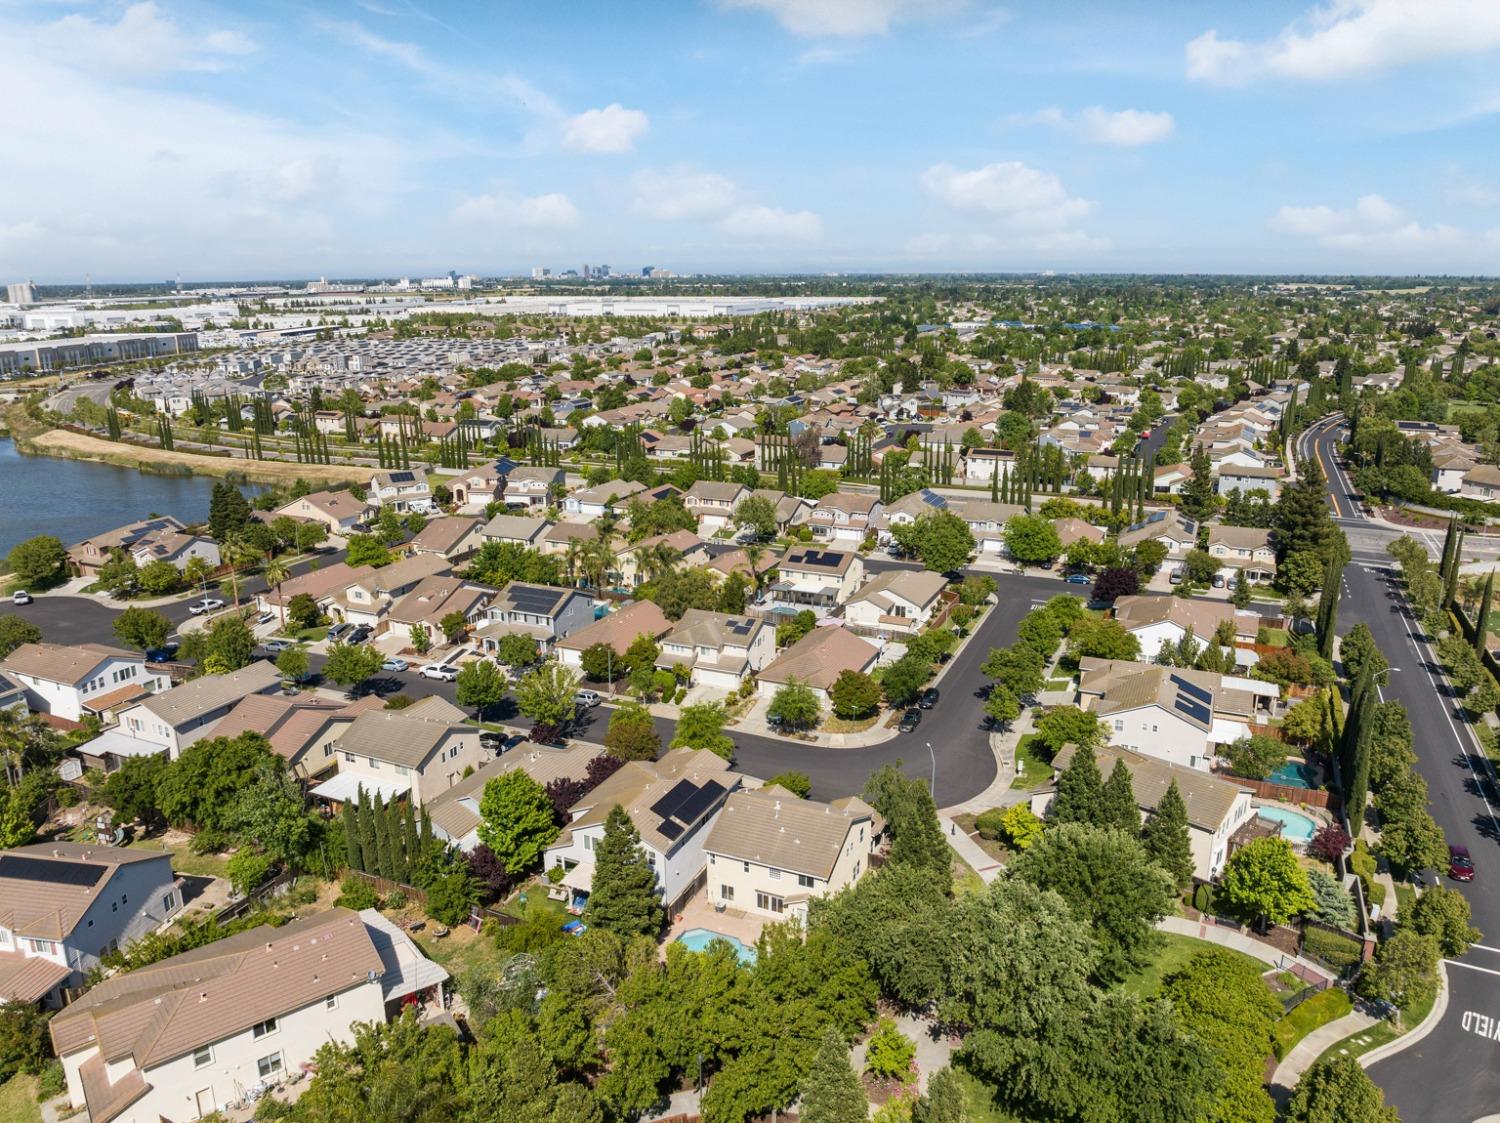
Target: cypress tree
point(1450, 584)
point(368, 858)
point(1117, 801)
point(1448, 541)
point(1482, 621)
point(1080, 791)
point(351, 835)
point(1165, 836)
point(1359, 694)
point(1328, 606)
point(831, 1091)
point(383, 865)
point(623, 900)
point(918, 836)
point(1358, 783)
point(409, 844)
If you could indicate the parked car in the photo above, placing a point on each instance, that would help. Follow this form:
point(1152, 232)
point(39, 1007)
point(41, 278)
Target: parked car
point(266, 618)
point(394, 664)
point(1175, 577)
point(360, 634)
point(588, 699)
point(1218, 581)
point(206, 605)
point(494, 742)
point(20, 596)
point(1077, 579)
point(441, 672)
point(910, 720)
point(1460, 865)
point(928, 698)
point(277, 646)
point(161, 654)
point(339, 631)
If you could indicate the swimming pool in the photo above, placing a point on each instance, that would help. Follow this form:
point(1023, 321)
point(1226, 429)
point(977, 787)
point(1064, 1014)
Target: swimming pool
point(1295, 774)
point(698, 939)
point(1295, 826)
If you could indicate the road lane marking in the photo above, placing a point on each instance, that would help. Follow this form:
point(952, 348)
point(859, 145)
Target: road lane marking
point(1485, 1025)
point(1485, 947)
point(1471, 967)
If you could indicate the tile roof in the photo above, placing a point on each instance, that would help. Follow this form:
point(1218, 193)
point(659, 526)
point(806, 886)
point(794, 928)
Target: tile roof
point(620, 628)
point(773, 827)
point(819, 657)
point(517, 527)
point(1208, 798)
point(56, 663)
point(49, 909)
point(397, 737)
point(207, 693)
point(456, 810)
point(641, 783)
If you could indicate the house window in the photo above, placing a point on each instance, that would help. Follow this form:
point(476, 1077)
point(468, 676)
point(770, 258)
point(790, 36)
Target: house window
point(1119, 726)
point(332, 1003)
point(726, 892)
point(348, 758)
point(166, 903)
point(261, 1029)
point(203, 1056)
point(805, 881)
point(268, 1065)
point(767, 903)
point(588, 842)
point(773, 874)
point(41, 947)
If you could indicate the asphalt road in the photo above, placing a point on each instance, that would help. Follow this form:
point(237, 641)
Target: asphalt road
point(1454, 1073)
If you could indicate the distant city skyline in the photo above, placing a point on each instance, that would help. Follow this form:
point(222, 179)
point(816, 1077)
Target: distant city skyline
point(380, 138)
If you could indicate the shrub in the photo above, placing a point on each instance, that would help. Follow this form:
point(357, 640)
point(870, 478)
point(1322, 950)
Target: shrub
point(1333, 948)
point(1329, 843)
point(357, 893)
point(209, 841)
point(890, 1054)
point(396, 900)
point(247, 869)
point(990, 824)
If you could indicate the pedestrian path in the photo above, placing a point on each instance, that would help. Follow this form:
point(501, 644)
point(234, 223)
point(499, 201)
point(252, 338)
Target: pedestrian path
point(1304, 969)
point(1311, 1047)
point(970, 851)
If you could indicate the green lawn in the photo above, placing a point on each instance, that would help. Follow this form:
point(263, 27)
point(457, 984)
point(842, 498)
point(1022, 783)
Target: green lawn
point(1358, 1044)
point(18, 1100)
point(312, 635)
point(1406, 896)
point(980, 1100)
point(1276, 637)
point(1031, 770)
point(1174, 951)
point(1317, 1011)
point(1059, 684)
point(184, 860)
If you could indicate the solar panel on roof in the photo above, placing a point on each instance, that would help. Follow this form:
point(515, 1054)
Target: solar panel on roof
point(402, 477)
point(699, 802)
point(669, 829)
point(21, 868)
point(741, 627)
point(1191, 690)
point(669, 803)
point(1195, 710)
point(534, 600)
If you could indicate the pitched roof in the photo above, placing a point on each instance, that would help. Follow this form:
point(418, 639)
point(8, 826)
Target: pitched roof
point(816, 559)
point(56, 663)
point(819, 657)
point(1203, 616)
point(397, 737)
point(517, 527)
point(456, 810)
point(1208, 798)
point(640, 784)
point(700, 627)
point(916, 586)
point(207, 693)
point(289, 724)
point(445, 533)
point(775, 828)
point(620, 628)
point(1193, 696)
point(45, 889)
point(1239, 537)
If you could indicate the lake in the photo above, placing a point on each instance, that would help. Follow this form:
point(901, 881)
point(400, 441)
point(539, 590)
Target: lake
point(75, 499)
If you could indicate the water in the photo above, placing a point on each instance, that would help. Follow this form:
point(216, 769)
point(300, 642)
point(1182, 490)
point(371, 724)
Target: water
point(698, 939)
point(1294, 774)
point(75, 499)
point(1295, 826)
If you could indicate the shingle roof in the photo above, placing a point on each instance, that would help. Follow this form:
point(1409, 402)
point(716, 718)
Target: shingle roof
point(397, 737)
point(456, 810)
point(775, 828)
point(56, 663)
point(1209, 799)
point(819, 657)
point(620, 628)
point(32, 906)
point(640, 783)
point(918, 586)
point(516, 527)
point(701, 628)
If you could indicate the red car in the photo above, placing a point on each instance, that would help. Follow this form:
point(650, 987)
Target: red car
point(1460, 865)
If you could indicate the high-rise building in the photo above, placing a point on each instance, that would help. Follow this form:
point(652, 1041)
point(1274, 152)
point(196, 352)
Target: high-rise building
point(602, 271)
point(22, 292)
point(585, 273)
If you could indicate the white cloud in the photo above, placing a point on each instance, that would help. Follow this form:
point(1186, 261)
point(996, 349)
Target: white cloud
point(145, 41)
point(1372, 224)
point(852, 19)
point(1351, 38)
point(509, 211)
point(682, 192)
point(771, 224)
point(1122, 128)
point(1464, 191)
point(612, 130)
point(1018, 197)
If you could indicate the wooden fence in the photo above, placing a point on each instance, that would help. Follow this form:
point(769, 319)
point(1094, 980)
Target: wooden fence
point(1288, 793)
point(385, 888)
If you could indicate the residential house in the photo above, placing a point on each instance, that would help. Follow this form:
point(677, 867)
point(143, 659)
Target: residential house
point(1232, 478)
point(1174, 714)
point(404, 491)
point(411, 754)
point(531, 486)
point(454, 813)
point(897, 601)
point(637, 563)
point(815, 578)
point(65, 905)
point(544, 612)
point(672, 803)
point(369, 598)
point(1072, 530)
point(1169, 479)
point(1216, 808)
point(174, 719)
point(1481, 482)
point(453, 538)
point(301, 729)
point(161, 538)
point(791, 510)
point(719, 649)
point(188, 1036)
point(558, 538)
point(1175, 531)
point(476, 487)
point(1244, 549)
point(816, 661)
point(770, 853)
point(594, 502)
point(844, 517)
point(434, 599)
point(1158, 621)
point(987, 521)
point(981, 465)
point(91, 678)
point(1450, 464)
point(713, 504)
point(339, 511)
point(518, 530)
point(618, 629)
point(325, 586)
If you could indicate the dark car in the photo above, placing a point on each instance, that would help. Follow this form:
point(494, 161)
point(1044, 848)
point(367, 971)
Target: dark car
point(910, 720)
point(1460, 865)
point(1077, 579)
point(360, 634)
point(161, 654)
point(928, 698)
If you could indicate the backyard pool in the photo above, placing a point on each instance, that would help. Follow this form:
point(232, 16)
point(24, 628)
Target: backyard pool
point(1295, 774)
point(698, 939)
point(1295, 826)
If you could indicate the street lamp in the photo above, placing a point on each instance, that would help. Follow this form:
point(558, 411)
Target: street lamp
point(933, 755)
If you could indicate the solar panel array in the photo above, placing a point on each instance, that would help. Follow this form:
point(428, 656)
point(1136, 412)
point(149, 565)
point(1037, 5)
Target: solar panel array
point(741, 626)
point(402, 477)
point(1195, 710)
point(1190, 689)
point(21, 868)
point(684, 805)
point(825, 558)
point(541, 601)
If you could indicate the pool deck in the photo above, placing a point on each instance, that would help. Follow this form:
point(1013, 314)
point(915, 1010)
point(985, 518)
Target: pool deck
point(699, 913)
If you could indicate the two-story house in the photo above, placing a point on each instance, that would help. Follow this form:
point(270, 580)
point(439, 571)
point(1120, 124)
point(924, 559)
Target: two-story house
point(770, 853)
point(455, 814)
point(368, 598)
point(844, 517)
point(640, 561)
point(1158, 621)
point(814, 578)
point(718, 649)
point(1233, 478)
point(404, 490)
point(432, 600)
point(452, 538)
point(172, 720)
point(161, 537)
point(91, 678)
point(413, 753)
point(897, 601)
point(302, 729)
point(339, 511)
point(1243, 549)
point(618, 629)
point(1176, 532)
point(531, 486)
point(713, 504)
point(64, 905)
point(671, 802)
point(544, 612)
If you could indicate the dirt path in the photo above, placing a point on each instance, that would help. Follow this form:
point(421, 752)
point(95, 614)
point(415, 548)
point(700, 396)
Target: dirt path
point(78, 446)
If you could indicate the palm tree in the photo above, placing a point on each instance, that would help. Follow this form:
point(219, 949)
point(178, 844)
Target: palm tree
point(595, 558)
point(275, 573)
point(754, 551)
point(657, 558)
point(235, 552)
point(572, 558)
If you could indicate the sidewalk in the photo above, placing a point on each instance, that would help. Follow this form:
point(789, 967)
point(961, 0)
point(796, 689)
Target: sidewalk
point(970, 851)
point(1311, 1047)
point(1305, 969)
point(1000, 793)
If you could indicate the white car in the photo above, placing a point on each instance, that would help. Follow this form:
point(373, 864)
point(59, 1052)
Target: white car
point(442, 672)
point(207, 604)
point(20, 596)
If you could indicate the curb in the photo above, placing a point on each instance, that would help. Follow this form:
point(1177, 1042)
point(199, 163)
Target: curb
point(1418, 1032)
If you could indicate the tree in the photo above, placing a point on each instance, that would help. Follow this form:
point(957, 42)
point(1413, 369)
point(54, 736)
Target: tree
point(1482, 615)
point(1019, 669)
point(480, 684)
point(24, 1043)
point(623, 899)
point(790, 631)
point(144, 629)
point(632, 733)
point(37, 562)
point(247, 869)
point(1198, 498)
point(159, 577)
point(854, 695)
point(599, 663)
point(366, 549)
point(1442, 914)
point(1069, 725)
point(898, 917)
point(1020, 826)
point(1240, 595)
point(1109, 884)
point(1001, 705)
point(798, 783)
point(1199, 567)
point(1117, 804)
point(702, 727)
point(756, 513)
point(1302, 521)
point(1100, 638)
point(1166, 839)
point(795, 706)
point(131, 790)
point(454, 626)
point(547, 694)
point(517, 649)
point(831, 1092)
point(1031, 539)
point(1333, 905)
point(1306, 723)
point(349, 665)
point(228, 511)
point(202, 786)
point(889, 1053)
point(1116, 582)
point(1255, 757)
point(1264, 881)
point(1338, 1090)
point(228, 645)
point(1412, 841)
point(1404, 971)
point(944, 1101)
point(1357, 651)
point(452, 896)
point(16, 630)
point(1329, 842)
point(940, 538)
point(516, 821)
point(905, 678)
point(293, 664)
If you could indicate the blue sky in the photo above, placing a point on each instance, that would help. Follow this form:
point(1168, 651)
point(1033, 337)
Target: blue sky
point(383, 137)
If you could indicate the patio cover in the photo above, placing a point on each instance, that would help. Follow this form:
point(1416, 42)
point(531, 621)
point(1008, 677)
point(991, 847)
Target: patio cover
point(345, 786)
point(580, 877)
point(115, 742)
point(407, 970)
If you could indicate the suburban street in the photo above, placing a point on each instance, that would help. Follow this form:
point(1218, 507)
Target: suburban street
point(1454, 1072)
